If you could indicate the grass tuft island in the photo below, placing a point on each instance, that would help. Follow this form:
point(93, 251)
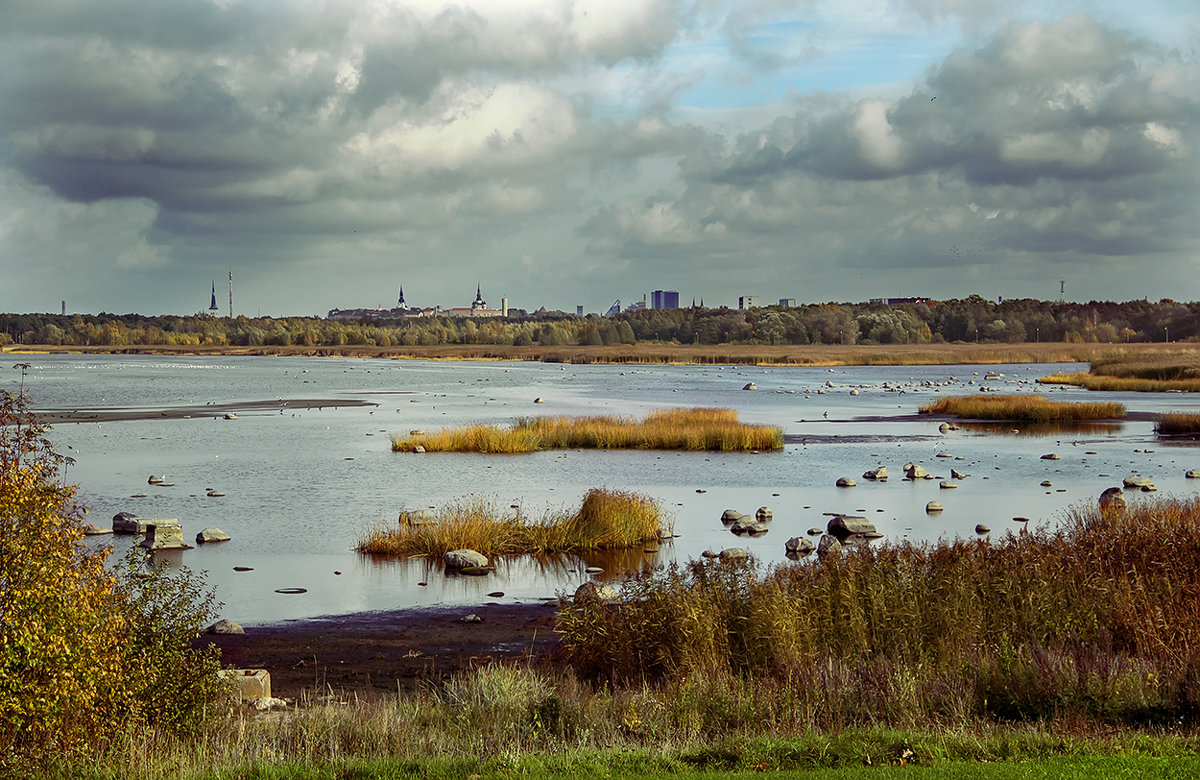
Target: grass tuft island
point(607, 519)
point(1022, 408)
point(697, 429)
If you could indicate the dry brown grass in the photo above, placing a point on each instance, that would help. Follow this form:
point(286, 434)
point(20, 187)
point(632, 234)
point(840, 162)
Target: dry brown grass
point(1022, 408)
point(1182, 424)
point(669, 429)
point(607, 519)
point(1098, 620)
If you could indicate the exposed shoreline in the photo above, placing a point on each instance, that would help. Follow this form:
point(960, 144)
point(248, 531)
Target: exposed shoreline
point(666, 354)
point(189, 411)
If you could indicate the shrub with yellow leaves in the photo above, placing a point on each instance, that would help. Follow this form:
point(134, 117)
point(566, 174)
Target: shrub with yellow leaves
point(87, 652)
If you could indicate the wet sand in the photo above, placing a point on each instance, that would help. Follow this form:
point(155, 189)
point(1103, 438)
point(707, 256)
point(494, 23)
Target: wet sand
point(371, 653)
point(104, 414)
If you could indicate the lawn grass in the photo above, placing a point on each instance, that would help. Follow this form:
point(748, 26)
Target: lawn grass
point(668, 429)
point(607, 519)
point(1022, 408)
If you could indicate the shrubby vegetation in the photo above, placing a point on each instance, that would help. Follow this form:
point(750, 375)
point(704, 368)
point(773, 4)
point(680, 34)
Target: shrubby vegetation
point(971, 319)
point(1098, 622)
point(88, 654)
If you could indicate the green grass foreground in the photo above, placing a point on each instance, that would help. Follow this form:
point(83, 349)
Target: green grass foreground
point(607, 519)
point(668, 429)
point(1022, 408)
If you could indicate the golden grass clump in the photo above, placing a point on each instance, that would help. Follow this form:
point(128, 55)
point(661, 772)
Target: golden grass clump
point(696, 429)
point(1099, 619)
point(1178, 424)
point(607, 519)
point(1022, 408)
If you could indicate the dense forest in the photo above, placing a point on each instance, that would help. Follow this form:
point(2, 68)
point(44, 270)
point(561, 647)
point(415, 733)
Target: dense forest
point(971, 319)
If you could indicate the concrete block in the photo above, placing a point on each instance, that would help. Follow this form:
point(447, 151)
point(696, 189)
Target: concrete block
point(251, 684)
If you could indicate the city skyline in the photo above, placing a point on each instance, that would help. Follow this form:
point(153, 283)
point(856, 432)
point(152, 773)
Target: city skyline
point(578, 152)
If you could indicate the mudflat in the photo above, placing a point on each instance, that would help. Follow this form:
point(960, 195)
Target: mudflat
point(371, 653)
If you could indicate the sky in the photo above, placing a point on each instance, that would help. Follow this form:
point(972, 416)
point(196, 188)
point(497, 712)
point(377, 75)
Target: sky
point(576, 152)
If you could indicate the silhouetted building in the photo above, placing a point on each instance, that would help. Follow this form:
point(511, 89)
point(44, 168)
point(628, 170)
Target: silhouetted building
point(664, 299)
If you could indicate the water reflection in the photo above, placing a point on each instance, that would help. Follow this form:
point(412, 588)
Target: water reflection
point(1090, 428)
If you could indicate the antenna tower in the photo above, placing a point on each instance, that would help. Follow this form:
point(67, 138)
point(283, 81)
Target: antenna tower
point(1062, 289)
point(230, 293)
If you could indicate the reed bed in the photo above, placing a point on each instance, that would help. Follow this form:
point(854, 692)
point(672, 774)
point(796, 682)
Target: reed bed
point(1098, 621)
point(1145, 371)
point(1022, 408)
point(667, 429)
point(1182, 424)
point(607, 519)
point(1089, 381)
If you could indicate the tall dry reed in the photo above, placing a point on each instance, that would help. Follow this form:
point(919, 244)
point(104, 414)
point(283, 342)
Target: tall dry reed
point(668, 429)
point(1022, 408)
point(1098, 620)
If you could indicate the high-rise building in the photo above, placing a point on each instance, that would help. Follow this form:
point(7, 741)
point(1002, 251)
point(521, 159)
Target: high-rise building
point(664, 299)
point(748, 302)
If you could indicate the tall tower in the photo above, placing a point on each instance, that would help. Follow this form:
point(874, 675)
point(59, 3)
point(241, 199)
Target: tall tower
point(230, 293)
point(213, 307)
point(400, 304)
point(479, 302)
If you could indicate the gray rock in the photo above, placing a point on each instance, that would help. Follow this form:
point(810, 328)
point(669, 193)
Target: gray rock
point(944, 428)
point(982, 529)
point(731, 516)
point(828, 548)
point(472, 618)
point(915, 471)
point(764, 514)
point(933, 507)
point(799, 545)
point(1112, 501)
point(225, 627)
point(1192, 474)
point(465, 559)
point(128, 523)
point(1047, 483)
point(1051, 456)
point(750, 386)
point(418, 449)
point(946, 484)
point(956, 474)
point(591, 591)
point(709, 553)
point(815, 532)
point(749, 527)
point(95, 530)
point(1138, 481)
point(734, 555)
point(538, 400)
point(211, 535)
point(845, 482)
point(418, 518)
point(843, 526)
point(230, 416)
point(877, 474)
point(155, 480)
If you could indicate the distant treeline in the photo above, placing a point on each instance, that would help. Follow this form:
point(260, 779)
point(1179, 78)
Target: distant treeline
point(971, 319)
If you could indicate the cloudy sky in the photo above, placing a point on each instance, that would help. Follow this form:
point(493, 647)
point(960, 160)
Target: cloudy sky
point(564, 152)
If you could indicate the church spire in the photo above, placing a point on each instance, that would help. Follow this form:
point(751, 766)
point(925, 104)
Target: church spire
point(213, 307)
point(400, 304)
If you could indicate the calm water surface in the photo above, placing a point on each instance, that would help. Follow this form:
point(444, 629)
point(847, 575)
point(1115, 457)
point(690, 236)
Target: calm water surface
point(302, 485)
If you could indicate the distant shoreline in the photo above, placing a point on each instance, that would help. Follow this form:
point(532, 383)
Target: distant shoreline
point(668, 354)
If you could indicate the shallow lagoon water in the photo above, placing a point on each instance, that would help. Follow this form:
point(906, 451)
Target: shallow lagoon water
point(302, 485)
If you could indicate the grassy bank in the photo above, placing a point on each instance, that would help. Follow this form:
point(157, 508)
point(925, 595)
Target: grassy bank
point(1183, 424)
point(668, 429)
point(1022, 408)
point(1099, 622)
point(606, 520)
point(1150, 371)
point(684, 354)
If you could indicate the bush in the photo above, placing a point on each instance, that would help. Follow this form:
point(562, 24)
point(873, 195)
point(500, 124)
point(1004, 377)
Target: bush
point(86, 653)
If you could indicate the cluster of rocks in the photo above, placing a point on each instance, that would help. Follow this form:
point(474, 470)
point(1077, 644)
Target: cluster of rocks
point(162, 533)
point(466, 561)
point(745, 525)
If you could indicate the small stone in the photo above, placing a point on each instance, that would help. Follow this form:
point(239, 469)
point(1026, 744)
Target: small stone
point(764, 514)
point(982, 529)
point(594, 570)
point(733, 554)
point(828, 548)
point(1192, 474)
point(472, 618)
point(750, 386)
point(799, 545)
point(495, 594)
point(709, 553)
point(845, 482)
point(1047, 483)
point(731, 516)
point(418, 449)
point(1051, 456)
point(538, 400)
point(465, 558)
point(243, 568)
point(947, 485)
point(211, 535)
point(815, 531)
point(933, 507)
point(417, 432)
